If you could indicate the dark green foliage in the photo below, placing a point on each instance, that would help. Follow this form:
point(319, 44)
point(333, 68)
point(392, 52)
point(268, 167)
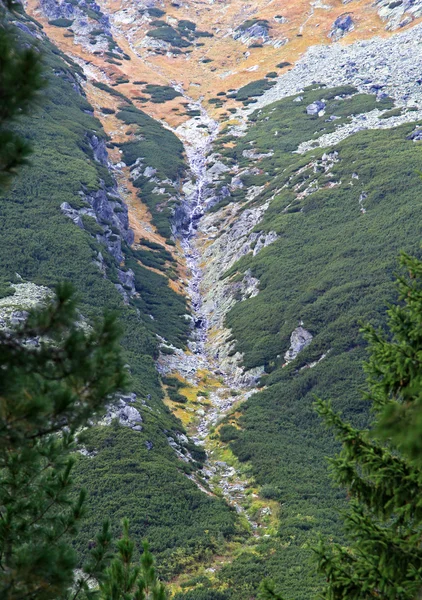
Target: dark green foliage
point(161, 93)
point(120, 80)
point(176, 397)
point(267, 591)
point(173, 386)
point(160, 147)
point(158, 299)
point(160, 206)
point(228, 433)
point(91, 225)
point(280, 435)
point(270, 492)
point(271, 75)
point(155, 12)
point(177, 518)
point(284, 64)
point(44, 246)
point(203, 34)
point(395, 112)
point(61, 22)
point(253, 89)
point(185, 24)
point(381, 467)
point(109, 90)
point(170, 35)
point(20, 80)
point(154, 246)
point(124, 581)
point(218, 102)
point(166, 350)
point(157, 259)
point(65, 379)
point(201, 593)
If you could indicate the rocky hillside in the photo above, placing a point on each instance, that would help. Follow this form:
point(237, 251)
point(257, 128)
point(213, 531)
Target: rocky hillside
point(237, 180)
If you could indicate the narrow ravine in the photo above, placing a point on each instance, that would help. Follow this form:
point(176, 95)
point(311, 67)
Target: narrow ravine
point(222, 472)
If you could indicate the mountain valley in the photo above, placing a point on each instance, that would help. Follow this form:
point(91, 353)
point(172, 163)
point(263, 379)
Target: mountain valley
point(236, 180)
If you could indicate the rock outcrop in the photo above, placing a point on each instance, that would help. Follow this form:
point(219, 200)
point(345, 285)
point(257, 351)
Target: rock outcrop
point(341, 26)
point(299, 340)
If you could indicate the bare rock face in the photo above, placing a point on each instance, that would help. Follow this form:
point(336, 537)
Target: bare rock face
point(341, 26)
point(256, 31)
point(299, 339)
point(14, 309)
point(127, 415)
point(398, 13)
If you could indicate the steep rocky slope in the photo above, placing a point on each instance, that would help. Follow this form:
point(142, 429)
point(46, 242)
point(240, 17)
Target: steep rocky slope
point(201, 49)
point(254, 165)
point(64, 218)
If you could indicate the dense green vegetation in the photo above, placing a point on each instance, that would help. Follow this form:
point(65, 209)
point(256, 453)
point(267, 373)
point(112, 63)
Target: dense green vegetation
point(341, 220)
point(181, 36)
point(68, 377)
point(252, 90)
point(168, 34)
point(159, 148)
point(41, 390)
point(154, 12)
point(20, 80)
point(381, 467)
point(44, 246)
point(331, 267)
point(161, 93)
point(61, 22)
point(106, 88)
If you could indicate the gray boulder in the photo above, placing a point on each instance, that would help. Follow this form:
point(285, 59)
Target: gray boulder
point(299, 339)
point(416, 135)
point(126, 278)
point(342, 25)
point(315, 108)
point(99, 149)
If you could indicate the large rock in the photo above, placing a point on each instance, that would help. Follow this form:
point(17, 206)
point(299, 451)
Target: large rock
point(416, 135)
point(341, 26)
point(316, 108)
point(127, 415)
point(299, 339)
point(99, 149)
point(127, 279)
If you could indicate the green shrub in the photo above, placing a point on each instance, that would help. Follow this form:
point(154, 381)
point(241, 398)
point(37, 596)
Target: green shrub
point(61, 22)
point(253, 89)
point(228, 433)
point(161, 93)
point(269, 492)
point(170, 35)
point(91, 225)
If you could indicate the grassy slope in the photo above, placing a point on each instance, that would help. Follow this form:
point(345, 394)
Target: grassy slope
point(331, 267)
point(43, 246)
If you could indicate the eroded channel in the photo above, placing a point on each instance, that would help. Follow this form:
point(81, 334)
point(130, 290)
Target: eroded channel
point(213, 393)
